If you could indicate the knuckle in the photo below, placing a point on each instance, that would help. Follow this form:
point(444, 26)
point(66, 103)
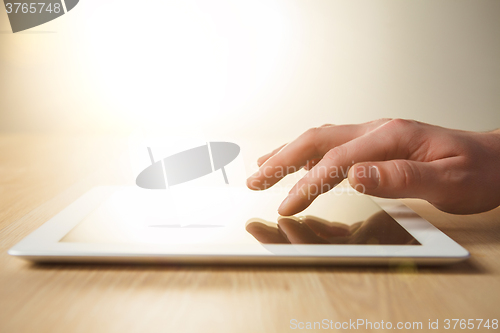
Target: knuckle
point(336, 154)
point(404, 135)
point(401, 124)
point(311, 138)
point(409, 175)
point(311, 134)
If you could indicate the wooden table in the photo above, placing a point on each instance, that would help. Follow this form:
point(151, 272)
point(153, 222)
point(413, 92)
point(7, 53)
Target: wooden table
point(40, 175)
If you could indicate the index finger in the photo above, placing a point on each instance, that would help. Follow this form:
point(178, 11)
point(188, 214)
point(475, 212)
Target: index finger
point(312, 144)
point(382, 144)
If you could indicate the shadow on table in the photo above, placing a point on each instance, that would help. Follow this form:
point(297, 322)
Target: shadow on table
point(470, 266)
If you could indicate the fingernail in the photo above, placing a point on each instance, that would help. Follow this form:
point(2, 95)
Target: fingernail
point(368, 175)
point(292, 205)
point(294, 201)
point(255, 175)
point(253, 183)
point(284, 204)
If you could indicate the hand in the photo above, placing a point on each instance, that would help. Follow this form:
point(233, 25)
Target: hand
point(380, 228)
point(456, 171)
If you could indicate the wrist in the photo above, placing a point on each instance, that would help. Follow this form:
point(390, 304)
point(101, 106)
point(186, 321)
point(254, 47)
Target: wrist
point(492, 137)
point(496, 135)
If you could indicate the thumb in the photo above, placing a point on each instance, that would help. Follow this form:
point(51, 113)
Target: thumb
point(395, 178)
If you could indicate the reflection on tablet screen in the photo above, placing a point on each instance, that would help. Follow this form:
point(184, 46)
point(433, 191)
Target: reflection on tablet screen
point(237, 216)
point(378, 229)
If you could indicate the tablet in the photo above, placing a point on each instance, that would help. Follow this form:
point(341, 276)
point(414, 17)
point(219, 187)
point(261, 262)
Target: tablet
point(238, 226)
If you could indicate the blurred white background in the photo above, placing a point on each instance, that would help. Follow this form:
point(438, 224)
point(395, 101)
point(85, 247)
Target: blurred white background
point(261, 68)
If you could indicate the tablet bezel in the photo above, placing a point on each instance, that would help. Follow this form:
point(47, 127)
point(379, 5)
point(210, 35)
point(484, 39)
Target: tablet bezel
point(43, 244)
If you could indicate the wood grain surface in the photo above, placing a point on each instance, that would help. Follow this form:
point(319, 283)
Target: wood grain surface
point(40, 175)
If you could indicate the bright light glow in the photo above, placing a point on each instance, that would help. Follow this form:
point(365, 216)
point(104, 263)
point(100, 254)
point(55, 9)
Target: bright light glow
point(133, 215)
point(171, 65)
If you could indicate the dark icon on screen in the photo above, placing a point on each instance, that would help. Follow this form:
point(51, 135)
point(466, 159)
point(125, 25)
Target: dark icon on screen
point(188, 165)
point(26, 14)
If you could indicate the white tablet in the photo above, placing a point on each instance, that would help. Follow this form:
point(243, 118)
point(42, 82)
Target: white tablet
point(235, 225)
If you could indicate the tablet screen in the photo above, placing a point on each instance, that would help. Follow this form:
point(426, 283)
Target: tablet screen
point(232, 215)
